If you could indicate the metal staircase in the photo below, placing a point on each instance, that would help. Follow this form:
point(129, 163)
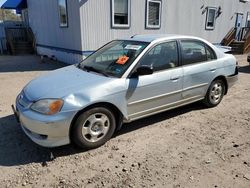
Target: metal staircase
point(20, 40)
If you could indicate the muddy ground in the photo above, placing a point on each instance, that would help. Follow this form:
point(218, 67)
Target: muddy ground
point(191, 146)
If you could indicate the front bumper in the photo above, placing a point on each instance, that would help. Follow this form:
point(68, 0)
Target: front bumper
point(47, 131)
point(231, 80)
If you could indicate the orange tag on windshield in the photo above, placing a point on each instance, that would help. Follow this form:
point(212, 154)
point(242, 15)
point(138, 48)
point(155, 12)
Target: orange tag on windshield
point(122, 60)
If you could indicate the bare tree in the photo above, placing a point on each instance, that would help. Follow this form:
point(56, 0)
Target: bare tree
point(8, 15)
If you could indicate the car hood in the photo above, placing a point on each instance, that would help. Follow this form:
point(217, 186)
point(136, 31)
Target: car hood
point(63, 82)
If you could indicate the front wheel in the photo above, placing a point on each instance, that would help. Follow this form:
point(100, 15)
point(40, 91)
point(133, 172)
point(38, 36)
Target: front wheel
point(215, 93)
point(93, 128)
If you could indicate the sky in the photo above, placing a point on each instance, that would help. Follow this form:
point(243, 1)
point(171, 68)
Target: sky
point(2, 2)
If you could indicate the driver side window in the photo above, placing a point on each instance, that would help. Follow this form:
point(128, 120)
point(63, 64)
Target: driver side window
point(161, 57)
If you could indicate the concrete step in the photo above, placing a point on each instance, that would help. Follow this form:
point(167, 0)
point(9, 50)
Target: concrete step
point(237, 44)
point(24, 51)
point(237, 47)
point(23, 47)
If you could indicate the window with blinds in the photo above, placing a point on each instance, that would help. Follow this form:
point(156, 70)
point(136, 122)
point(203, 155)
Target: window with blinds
point(210, 21)
point(120, 13)
point(153, 14)
point(63, 13)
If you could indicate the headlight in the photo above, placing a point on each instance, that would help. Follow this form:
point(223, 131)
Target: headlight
point(47, 106)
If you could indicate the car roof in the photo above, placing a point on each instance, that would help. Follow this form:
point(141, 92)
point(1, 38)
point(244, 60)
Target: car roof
point(154, 37)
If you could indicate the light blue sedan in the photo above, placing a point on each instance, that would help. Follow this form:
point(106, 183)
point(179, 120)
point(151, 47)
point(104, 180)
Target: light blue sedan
point(123, 81)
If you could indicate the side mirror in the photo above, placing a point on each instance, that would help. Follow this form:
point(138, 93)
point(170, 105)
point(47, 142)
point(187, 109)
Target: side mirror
point(143, 70)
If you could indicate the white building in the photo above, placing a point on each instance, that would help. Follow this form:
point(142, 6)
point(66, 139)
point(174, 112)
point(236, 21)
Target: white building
point(71, 29)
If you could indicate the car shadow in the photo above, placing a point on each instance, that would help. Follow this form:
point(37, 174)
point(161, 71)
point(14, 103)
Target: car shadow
point(17, 149)
point(27, 63)
point(245, 69)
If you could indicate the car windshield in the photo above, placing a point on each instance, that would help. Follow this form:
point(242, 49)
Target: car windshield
point(114, 58)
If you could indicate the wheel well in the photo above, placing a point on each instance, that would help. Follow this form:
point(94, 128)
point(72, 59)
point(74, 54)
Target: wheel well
point(225, 82)
point(117, 113)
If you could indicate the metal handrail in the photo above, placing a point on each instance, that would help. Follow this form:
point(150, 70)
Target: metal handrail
point(9, 39)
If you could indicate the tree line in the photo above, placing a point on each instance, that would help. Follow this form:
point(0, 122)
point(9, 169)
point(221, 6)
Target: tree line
point(8, 15)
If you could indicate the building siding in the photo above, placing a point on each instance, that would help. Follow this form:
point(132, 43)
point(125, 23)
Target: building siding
point(63, 56)
point(90, 21)
point(44, 21)
point(96, 27)
point(178, 17)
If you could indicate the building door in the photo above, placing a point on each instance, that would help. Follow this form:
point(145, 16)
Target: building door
point(238, 25)
point(248, 20)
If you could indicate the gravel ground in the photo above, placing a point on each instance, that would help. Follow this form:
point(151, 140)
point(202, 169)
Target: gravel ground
point(187, 147)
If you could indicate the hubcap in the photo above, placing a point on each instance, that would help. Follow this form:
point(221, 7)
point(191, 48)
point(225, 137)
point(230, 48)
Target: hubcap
point(95, 127)
point(216, 93)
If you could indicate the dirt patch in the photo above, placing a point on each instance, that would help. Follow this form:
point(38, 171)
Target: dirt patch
point(187, 147)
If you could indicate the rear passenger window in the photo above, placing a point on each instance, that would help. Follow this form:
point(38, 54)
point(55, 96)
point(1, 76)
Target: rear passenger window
point(161, 57)
point(210, 54)
point(193, 52)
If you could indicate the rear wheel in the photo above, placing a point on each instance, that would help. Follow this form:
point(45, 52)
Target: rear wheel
point(93, 128)
point(215, 93)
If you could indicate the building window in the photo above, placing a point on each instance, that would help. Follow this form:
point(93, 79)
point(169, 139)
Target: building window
point(210, 21)
point(153, 18)
point(63, 13)
point(121, 13)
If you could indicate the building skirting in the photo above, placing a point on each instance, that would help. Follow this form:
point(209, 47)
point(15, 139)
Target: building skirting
point(61, 54)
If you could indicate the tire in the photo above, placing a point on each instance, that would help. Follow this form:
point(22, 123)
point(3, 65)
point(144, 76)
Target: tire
point(215, 93)
point(93, 128)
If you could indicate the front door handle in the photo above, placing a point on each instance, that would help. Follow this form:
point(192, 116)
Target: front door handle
point(212, 69)
point(175, 78)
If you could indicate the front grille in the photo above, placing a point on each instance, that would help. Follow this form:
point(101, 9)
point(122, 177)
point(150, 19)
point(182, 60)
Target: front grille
point(23, 101)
